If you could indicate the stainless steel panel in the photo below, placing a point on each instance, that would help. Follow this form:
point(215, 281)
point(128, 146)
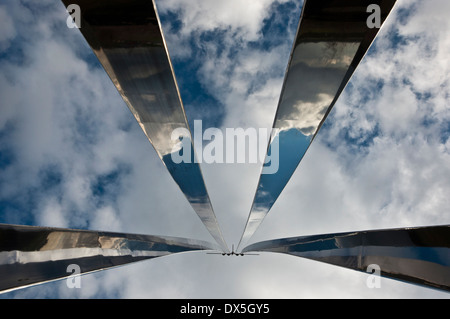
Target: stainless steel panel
point(127, 38)
point(416, 255)
point(332, 38)
point(31, 255)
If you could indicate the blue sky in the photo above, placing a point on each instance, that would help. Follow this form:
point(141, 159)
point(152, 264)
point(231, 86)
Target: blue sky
point(71, 154)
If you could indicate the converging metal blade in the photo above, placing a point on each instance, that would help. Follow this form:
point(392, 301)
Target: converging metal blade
point(415, 255)
point(332, 39)
point(31, 255)
point(127, 38)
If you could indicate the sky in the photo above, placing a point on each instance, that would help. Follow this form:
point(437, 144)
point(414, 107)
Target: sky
point(72, 155)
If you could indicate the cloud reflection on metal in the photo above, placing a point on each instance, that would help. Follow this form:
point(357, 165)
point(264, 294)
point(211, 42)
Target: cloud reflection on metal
point(30, 255)
point(332, 39)
point(127, 38)
point(416, 255)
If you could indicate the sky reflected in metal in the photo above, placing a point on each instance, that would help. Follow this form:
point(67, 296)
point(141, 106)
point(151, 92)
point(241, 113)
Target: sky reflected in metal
point(417, 255)
point(126, 37)
point(332, 38)
point(31, 254)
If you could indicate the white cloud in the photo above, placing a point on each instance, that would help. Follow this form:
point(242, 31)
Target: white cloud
point(51, 214)
point(243, 18)
point(106, 218)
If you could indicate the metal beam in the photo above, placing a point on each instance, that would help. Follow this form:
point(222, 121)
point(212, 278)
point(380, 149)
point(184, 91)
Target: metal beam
point(332, 38)
point(31, 255)
point(415, 255)
point(127, 38)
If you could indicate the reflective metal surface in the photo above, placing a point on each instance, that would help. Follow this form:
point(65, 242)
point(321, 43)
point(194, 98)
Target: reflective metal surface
point(332, 39)
point(127, 38)
point(31, 255)
point(415, 255)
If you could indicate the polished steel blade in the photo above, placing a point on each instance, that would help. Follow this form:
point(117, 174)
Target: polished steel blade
point(332, 38)
point(127, 38)
point(31, 255)
point(415, 255)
